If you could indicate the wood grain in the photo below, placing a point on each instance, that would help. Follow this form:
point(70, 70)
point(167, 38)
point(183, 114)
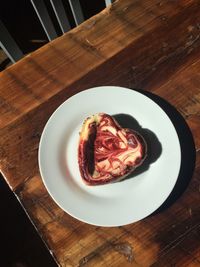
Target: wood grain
point(147, 45)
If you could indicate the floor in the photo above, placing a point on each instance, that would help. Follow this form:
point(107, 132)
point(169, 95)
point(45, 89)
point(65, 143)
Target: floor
point(20, 244)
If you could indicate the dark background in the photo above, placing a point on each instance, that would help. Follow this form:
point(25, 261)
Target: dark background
point(20, 245)
point(21, 21)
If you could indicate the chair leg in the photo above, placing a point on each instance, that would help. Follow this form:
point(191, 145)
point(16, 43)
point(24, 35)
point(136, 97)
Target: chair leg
point(108, 2)
point(44, 18)
point(8, 44)
point(59, 11)
point(76, 11)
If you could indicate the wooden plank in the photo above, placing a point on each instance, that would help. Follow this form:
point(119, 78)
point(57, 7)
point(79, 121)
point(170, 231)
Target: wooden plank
point(183, 254)
point(169, 90)
point(54, 67)
point(132, 44)
point(140, 244)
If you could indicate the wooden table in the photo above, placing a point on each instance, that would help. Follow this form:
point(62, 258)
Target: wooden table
point(147, 45)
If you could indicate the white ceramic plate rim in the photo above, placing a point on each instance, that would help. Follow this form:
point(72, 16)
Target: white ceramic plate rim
point(112, 204)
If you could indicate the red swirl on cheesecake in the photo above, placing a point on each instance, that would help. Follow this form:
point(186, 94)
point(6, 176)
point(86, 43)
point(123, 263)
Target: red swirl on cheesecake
point(107, 152)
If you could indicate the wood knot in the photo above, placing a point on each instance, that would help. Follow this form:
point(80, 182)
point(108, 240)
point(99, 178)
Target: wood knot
point(159, 4)
point(164, 44)
point(190, 28)
point(2, 152)
point(36, 135)
point(83, 261)
point(126, 250)
point(90, 24)
point(163, 18)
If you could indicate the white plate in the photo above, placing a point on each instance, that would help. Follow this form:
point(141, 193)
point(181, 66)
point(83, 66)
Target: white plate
point(117, 203)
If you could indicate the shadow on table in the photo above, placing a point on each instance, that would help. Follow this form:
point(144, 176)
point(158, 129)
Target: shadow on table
point(154, 148)
point(21, 245)
point(188, 153)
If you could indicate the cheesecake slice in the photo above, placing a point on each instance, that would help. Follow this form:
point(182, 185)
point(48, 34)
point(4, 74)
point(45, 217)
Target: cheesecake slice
point(107, 152)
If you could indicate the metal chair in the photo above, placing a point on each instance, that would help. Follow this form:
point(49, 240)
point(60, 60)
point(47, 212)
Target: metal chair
point(8, 44)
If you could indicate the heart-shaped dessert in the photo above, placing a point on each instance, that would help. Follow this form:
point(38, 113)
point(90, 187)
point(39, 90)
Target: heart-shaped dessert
point(107, 152)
